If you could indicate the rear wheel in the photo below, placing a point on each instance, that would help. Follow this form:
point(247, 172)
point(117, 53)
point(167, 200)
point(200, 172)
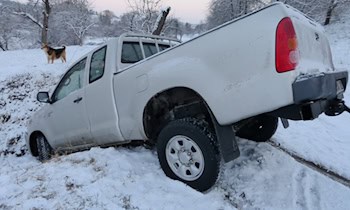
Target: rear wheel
point(44, 149)
point(187, 152)
point(260, 128)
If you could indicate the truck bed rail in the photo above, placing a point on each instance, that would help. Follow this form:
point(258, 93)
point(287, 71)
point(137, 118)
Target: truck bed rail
point(163, 38)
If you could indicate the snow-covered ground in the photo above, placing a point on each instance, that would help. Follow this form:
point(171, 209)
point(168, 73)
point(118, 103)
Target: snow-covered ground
point(263, 177)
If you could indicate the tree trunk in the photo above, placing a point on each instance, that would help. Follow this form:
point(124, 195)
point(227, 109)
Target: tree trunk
point(232, 10)
point(81, 40)
point(131, 28)
point(330, 9)
point(245, 7)
point(161, 22)
point(45, 28)
point(3, 49)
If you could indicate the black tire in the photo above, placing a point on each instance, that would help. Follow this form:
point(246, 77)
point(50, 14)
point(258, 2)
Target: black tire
point(260, 128)
point(44, 149)
point(200, 142)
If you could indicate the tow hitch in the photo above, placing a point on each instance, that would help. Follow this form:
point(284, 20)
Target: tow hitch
point(336, 107)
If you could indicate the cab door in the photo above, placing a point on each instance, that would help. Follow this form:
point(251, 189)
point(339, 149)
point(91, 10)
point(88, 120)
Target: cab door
point(100, 98)
point(68, 118)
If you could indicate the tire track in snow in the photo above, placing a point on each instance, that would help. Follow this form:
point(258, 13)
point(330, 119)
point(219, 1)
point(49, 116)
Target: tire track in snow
point(314, 193)
point(308, 196)
point(301, 200)
point(318, 168)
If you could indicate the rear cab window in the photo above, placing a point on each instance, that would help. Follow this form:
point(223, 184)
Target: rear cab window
point(149, 49)
point(163, 47)
point(131, 52)
point(136, 49)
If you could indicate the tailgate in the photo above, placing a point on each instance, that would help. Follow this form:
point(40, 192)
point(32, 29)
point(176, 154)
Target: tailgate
point(315, 53)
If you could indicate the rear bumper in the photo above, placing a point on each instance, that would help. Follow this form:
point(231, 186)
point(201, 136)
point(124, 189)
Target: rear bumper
point(320, 87)
point(314, 95)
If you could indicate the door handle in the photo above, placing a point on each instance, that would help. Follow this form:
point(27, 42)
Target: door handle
point(78, 100)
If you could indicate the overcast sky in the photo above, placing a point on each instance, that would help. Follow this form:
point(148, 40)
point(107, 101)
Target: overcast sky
point(192, 11)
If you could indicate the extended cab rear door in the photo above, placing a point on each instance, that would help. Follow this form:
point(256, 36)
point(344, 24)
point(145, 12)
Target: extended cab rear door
point(100, 102)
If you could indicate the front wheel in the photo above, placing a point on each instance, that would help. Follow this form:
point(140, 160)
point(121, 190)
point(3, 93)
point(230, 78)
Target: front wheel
point(187, 152)
point(44, 148)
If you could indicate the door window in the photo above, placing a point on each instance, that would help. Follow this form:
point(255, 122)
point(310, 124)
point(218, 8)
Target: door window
point(73, 80)
point(97, 66)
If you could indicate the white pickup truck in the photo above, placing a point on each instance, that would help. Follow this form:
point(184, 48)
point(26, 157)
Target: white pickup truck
point(192, 99)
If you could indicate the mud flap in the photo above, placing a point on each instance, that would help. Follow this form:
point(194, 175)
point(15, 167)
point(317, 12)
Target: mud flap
point(227, 141)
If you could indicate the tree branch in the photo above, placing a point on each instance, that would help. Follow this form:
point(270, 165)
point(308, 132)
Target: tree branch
point(161, 21)
point(30, 17)
point(2, 47)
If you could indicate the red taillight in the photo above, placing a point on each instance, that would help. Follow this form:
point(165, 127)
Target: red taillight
point(287, 54)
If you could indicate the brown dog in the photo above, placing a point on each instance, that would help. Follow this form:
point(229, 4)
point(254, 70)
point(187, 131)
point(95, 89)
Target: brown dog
point(52, 53)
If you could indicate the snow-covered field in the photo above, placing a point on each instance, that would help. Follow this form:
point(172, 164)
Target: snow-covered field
point(263, 177)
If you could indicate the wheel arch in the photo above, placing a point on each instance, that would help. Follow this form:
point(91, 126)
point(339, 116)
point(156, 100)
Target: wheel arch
point(167, 105)
point(182, 102)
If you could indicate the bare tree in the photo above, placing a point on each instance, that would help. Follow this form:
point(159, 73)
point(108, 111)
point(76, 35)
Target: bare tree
point(320, 10)
point(224, 10)
point(221, 11)
point(79, 20)
point(4, 27)
point(331, 6)
point(43, 25)
point(46, 14)
point(143, 14)
point(8, 33)
point(107, 25)
point(174, 28)
point(312, 8)
point(71, 17)
point(127, 21)
point(106, 17)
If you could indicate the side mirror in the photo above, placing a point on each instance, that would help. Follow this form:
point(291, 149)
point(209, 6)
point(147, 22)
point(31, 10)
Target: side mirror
point(43, 97)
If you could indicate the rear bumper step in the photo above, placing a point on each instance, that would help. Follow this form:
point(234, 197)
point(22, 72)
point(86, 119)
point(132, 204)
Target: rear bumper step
point(314, 95)
point(323, 86)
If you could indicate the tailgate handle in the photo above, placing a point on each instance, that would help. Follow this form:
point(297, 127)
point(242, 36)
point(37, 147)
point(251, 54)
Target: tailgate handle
point(78, 100)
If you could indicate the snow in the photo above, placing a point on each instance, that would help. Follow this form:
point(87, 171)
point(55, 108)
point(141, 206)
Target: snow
point(263, 177)
point(34, 61)
point(98, 179)
point(266, 178)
